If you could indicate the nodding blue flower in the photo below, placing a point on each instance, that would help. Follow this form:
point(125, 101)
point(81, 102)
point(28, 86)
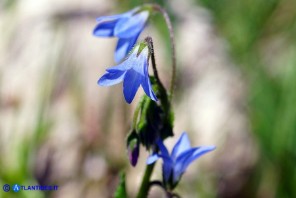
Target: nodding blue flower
point(127, 27)
point(182, 156)
point(133, 71)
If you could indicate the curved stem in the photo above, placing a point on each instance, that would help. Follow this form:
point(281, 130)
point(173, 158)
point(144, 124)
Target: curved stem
point(162, 91)
point(157, 183)
point(145, 185)
point(149, 41)
point(168, 193)
point(173, 50)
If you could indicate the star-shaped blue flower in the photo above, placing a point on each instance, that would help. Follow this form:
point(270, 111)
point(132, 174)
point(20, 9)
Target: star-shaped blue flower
point(182, 156)
point(133, 72)
point(127, 27)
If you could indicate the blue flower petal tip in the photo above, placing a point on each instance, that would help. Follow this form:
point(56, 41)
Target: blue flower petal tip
point(126, 26)
point(133, 72)
point(182, 156)
point(152, 158)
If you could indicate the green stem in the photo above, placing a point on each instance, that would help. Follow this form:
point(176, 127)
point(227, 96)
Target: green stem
point(149, 41)
point(144, 189)
point(173, 50)
point(162, 91)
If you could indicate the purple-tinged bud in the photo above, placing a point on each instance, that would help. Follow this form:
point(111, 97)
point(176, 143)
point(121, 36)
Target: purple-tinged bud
point(133, 148)
point(133, 152)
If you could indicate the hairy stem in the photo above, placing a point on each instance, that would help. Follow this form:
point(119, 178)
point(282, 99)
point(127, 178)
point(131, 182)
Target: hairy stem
point(173, 50)
point(162, 91)
point(149, 41)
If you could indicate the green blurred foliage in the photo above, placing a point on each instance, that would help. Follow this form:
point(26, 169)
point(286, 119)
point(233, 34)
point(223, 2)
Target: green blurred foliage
point(250, 27)
point(121, 189)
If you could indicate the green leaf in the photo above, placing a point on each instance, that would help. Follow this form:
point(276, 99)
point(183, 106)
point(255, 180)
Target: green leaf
point(121, 188)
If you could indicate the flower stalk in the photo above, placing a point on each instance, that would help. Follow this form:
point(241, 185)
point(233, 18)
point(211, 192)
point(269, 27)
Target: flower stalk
point(162, 91)
point(145, 185)
point(173, 48)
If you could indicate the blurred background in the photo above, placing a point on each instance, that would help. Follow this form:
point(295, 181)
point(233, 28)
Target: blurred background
point(235, 89)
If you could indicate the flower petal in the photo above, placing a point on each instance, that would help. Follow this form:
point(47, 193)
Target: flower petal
point(124, 66)
point(182, 145)
point(131, 83)
point(105, 29)
point(168, 164)
point(162, 148)
point(106, 24)
point(185, 159)
point(146, 82)
point(111, 18)
point(167, 167)
point(131, 26)
point(198, 153)
point(124, 46)
point(179, 163)
point(117, 16)
point(152, 158)
point(111, 78)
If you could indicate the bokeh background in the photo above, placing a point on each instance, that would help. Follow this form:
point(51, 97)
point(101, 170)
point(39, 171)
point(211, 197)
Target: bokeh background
point(236, 89)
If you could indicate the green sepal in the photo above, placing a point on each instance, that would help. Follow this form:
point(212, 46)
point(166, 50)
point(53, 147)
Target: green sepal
point(156, 119)
point(142, 45)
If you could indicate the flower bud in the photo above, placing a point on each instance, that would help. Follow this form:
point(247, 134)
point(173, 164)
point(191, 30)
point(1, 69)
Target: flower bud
point(133, 148)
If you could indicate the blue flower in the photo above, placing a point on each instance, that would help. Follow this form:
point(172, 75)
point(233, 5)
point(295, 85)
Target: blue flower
point(133, 72)
point(127, 27)
point(182, 156)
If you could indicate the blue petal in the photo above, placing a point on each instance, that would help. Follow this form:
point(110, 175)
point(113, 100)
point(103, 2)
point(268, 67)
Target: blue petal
point(167, 167)
point(185, 159)
point(131, 83)
point(135, 75)
point(106, 24)
point(198, 153)
point(124, 46)
point(179, 163)
point(124, 66)
point(152, 158)
point(182, 145)
point(142, 69)
point(168, 164)
point(131, 26)
point(105, 29)
point(162, 148)
point(118, 16)
point(111, 18)
point(146, 82)
point(111, 78)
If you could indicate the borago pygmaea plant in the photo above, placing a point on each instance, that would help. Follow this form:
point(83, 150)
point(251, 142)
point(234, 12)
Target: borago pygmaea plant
point(153, 118)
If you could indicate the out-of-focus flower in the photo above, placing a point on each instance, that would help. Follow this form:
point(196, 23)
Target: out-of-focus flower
point(133, 72)
point(182, 156)
point(127, 27)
